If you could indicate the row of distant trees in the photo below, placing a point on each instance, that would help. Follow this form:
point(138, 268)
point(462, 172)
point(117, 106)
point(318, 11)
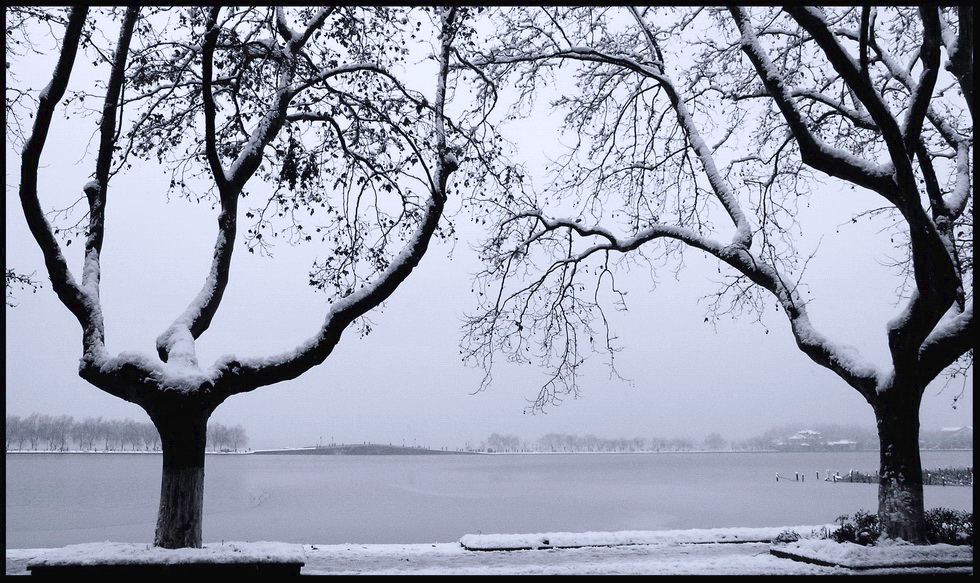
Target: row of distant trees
point(40, 432)
point(863, 439)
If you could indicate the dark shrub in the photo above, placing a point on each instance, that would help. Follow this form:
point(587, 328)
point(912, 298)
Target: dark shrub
point(863, 531)
point(787, 536)
point(953, 527)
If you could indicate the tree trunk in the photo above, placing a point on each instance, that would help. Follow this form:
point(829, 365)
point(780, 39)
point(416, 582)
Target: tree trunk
point(901, 509)
point(183, 437)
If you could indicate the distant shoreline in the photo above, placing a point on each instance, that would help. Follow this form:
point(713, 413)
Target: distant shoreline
point(111, 452)
point(362, 449)
point(375, 449)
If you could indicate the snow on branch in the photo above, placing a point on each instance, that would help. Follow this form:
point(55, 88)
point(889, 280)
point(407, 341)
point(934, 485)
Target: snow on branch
point(233, 375)
point(815, 152)
point(947, 343)
point(812, 20)
point(929, 57)
point(82, 305)
point(178, 339)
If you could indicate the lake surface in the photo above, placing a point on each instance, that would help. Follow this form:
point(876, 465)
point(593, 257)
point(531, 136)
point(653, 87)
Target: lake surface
point(54, 500)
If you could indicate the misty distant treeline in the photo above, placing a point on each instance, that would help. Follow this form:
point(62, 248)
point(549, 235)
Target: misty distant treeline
point(821, 437)
point(39, 432)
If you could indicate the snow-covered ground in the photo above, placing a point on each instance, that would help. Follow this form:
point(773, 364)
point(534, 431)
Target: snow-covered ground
point(680, 552)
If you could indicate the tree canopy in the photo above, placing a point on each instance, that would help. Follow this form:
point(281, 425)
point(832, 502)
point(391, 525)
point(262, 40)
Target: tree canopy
point(316, 111)
point(705, 129)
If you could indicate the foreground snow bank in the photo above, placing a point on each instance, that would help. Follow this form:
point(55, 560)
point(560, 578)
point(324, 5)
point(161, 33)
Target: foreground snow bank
point(615, 553)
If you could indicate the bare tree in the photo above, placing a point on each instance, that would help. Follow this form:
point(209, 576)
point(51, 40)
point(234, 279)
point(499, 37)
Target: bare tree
point(304, 105)
point(700, 129)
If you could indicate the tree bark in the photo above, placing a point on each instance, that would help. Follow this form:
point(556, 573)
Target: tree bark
point(901, 509)
point(183, 430)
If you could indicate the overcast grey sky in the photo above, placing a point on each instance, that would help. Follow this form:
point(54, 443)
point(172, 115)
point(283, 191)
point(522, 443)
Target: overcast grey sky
point(405, 383)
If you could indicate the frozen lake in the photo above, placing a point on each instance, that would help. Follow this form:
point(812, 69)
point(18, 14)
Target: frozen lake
point(54, 500)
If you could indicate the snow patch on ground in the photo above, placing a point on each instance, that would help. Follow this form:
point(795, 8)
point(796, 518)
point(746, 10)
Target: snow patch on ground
point(894, 554)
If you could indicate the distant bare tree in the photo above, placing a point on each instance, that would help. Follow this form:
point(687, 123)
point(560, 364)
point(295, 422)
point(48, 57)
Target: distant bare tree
point(14, 432)
point(306, 106)
point(31, 426)
point(715, 442)
point(61, 430)
point(701, 129)
point(130, 434)
point(221, 437)
point(111, 435)
point(237, 438)
point(85, 432)
point(503, 443)
point(149, 437)
point(215, 435)
point(47, 430)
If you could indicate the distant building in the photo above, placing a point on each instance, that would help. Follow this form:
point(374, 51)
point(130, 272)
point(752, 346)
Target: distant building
point(805, 440)
point(806, 434)
point(842, 445)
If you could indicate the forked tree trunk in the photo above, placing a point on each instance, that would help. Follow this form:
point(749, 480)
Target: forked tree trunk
point(901, 509)
point(183, 438)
